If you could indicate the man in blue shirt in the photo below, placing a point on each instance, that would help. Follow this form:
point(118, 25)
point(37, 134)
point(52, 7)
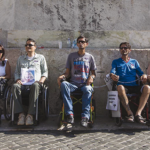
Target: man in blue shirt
point(124, 71)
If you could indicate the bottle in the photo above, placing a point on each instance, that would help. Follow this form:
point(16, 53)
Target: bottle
point(68, 43)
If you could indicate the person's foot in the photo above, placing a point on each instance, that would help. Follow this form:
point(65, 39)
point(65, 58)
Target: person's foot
point(21, 119)
point(70, 119)
point(84, 122)
point(29, 120)
point(140, 119)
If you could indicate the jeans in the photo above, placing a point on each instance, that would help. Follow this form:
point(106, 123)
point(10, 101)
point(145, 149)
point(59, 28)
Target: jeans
point(67, 88)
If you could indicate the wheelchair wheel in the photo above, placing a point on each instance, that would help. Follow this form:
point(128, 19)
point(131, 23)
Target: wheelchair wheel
point(45, 103)
point(118, 121)
point(7, 103)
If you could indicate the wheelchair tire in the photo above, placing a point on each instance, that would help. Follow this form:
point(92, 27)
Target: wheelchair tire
point(7, 103)
point(45, 104)
point(118, 121)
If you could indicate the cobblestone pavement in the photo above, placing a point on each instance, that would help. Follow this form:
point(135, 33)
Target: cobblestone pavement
point(76, 140)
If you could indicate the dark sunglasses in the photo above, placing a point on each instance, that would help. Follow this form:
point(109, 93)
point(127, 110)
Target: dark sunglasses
point(82, 42)
point(29, 45)
point(1, 51)
point(123, 47)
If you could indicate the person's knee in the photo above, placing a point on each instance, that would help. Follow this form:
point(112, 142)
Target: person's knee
point(146, 89)
point(120, 89)
point(63, 84)
point(16, 86)
point(87, 89)
point(35, 85)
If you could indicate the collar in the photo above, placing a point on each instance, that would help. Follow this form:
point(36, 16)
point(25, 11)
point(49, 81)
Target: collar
point(35, 56)
point(126, 61)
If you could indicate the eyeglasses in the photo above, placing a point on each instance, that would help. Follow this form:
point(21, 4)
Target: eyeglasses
point(1, 51)
point(29, 45)
point(123, 47)
point(82, 42)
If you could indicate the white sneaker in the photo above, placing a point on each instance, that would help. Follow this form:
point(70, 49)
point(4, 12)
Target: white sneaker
point(29, 120)
point(21, 119)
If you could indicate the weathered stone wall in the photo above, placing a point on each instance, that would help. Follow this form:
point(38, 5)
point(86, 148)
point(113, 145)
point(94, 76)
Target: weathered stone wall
point(56, 60)
point(105, 22)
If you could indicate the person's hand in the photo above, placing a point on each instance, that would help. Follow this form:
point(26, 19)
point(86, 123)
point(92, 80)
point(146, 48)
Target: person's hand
point(59, 79)
point(19, 81)
point(89, 80)
point(144, 78)
point(3, 58)
point(114, 77)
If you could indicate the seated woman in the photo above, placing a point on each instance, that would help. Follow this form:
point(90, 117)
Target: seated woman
point(5, 70)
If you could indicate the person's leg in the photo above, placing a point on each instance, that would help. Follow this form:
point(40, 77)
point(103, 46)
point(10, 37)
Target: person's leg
point(16, 91)
point(18, 108)
point(143, 99)
point(34, 93)
point(124, 100)
point(86, 99)
point(66, 89)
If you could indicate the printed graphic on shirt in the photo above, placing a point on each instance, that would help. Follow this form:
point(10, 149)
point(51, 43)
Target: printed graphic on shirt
point(132, 66)
point(27, 76)
point(81, 69)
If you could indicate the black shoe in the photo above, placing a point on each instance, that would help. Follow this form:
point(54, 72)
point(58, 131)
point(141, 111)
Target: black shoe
point(70, 119)
point(84, 122)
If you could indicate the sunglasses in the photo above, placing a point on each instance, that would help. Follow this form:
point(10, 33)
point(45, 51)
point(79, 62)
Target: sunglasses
point(1, 51)
point(82, 42)
point(123, 47)
point(29, 45)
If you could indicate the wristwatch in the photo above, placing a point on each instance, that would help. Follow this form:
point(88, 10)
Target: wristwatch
point(93, 77)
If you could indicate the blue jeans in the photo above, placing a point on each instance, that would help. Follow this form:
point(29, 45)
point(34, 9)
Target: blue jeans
point(67, 88)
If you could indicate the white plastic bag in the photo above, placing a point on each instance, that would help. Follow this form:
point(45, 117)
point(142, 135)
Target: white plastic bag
point(109, 82)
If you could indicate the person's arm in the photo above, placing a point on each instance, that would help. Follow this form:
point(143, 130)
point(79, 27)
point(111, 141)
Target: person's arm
point(91, 78)
point(44, 71)
point(113, 75)
point(141, 73)
point(65, 75)
point(8, 71)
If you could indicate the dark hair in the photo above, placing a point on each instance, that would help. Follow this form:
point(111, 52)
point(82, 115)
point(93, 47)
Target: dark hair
point(126, 43)
point(3, 62)
point(29, 39)
point(82, 36)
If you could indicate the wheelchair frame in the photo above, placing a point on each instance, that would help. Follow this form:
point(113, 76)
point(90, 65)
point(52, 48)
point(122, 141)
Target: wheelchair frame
point(119, 120)
point(61, 119)
point(9, 100)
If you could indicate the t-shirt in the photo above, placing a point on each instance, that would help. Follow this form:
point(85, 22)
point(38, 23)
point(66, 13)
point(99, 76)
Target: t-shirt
point(126, 71)
point(80, 67)
point(2, 68)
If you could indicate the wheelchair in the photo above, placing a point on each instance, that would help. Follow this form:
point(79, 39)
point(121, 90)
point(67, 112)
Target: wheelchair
point(76, 97)
point(42, 101)
point(3, 91)
point(133, 103)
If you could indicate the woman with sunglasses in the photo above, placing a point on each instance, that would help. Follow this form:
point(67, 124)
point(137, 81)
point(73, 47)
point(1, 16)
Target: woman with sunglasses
point(5, 70)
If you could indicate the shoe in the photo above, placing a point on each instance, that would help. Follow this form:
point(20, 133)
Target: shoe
point(29, 120)
point(84, 122)
point(70, 119)
point(140, 119)
point(21, 119)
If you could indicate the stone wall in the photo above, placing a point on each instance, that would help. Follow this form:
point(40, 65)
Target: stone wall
point(56, 60)
point(105, 22)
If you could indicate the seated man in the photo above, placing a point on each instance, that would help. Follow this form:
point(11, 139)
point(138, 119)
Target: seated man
point(78, 67)
point(31, 63)
point(124, 71)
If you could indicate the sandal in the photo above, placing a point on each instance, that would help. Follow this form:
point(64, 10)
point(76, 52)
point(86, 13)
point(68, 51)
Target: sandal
point(130, 118)
point(140, 119)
